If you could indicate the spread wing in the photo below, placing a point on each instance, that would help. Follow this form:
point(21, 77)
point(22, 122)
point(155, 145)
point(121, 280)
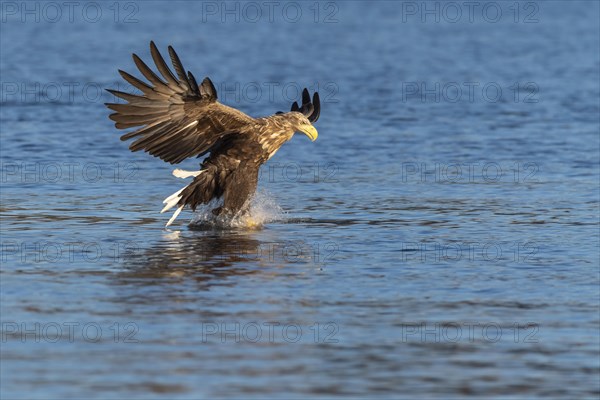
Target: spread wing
point(177, 117)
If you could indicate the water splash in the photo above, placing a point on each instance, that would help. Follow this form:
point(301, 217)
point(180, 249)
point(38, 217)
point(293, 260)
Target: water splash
point(263, 209)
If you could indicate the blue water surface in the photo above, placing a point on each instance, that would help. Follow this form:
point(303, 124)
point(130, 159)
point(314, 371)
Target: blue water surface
point(439, 239)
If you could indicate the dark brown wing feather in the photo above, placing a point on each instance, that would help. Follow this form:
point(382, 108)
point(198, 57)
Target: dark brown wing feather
point(311, 110)
point(177, 117)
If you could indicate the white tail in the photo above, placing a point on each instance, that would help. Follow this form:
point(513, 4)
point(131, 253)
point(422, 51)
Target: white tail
point(175, 215)
point(171, 202)
point(181, 173)
point(173, 199)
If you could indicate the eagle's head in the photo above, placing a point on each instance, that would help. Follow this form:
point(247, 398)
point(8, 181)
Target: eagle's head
point(279, 128)
point(301, 118)
point(299, 123)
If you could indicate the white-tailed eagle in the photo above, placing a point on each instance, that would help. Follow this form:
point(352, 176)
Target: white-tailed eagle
point(176, 119)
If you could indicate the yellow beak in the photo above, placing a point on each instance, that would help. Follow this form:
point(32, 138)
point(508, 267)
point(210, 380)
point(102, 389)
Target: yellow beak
point(310, 131)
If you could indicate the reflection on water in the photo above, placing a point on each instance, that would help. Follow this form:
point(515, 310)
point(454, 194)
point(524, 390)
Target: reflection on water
point(202, 257)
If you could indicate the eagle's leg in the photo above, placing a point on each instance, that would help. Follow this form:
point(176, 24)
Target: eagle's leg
point(239, 189)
